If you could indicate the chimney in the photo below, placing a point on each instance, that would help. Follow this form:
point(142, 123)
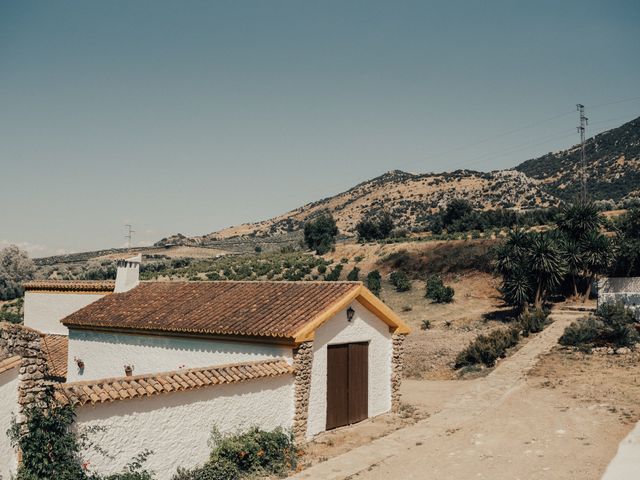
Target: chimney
point(128, 274)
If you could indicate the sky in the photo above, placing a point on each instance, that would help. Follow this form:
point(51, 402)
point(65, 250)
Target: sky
point(192, 116)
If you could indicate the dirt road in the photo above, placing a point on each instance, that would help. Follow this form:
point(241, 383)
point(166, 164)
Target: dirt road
point(504, 426)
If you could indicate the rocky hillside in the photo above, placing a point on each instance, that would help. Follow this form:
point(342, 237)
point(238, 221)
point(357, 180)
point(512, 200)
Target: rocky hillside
point(613, 169)
point(613, 166)
point(409, 198)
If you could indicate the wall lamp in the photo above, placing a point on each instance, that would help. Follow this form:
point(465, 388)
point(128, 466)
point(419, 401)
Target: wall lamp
point(350, 313)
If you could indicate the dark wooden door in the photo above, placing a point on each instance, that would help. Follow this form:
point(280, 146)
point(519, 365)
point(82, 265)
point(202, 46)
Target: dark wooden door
point(347, 384)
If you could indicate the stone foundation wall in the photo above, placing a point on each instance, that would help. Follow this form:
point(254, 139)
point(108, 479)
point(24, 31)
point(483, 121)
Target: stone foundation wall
point(34, 386)
point(302, 362)
point(397, 361)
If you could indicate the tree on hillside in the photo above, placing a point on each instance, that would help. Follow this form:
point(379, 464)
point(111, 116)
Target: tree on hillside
point(375, 227)
point(456, 209)
point(374, 282)
point(320, 233)
point(15, 267)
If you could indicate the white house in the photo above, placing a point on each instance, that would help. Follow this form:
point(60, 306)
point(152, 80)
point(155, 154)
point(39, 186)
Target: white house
point(158, 365)
point(620, 289)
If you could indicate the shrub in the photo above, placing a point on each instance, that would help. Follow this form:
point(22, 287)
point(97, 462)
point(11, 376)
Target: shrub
point(255, 451)
point(334, 275)
point(425, 325)
point(582, 333)
point(438, 291)
point(486, 349)
point(354, 275)
point(322, 268)
point(374, 282)
point(12, 312)
point(218, 470)
point(532, 321)
point(400, 280)
point(612, 324)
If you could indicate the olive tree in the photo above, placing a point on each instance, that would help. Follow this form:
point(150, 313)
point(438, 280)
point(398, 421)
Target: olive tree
point(15, 268)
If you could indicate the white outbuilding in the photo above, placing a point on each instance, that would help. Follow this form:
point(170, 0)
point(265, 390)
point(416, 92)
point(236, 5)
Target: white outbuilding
point(158, 365)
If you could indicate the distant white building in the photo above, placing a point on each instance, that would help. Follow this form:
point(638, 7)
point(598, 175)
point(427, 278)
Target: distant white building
point(625, 290)
point(156, 365)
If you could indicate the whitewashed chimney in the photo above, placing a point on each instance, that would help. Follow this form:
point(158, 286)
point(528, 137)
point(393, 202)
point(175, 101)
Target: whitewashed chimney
point(128, 274)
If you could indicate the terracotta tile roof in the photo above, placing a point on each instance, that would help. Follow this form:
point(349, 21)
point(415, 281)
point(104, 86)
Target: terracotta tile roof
point(266, 309)
point(71, 285)
point(56, 348)
point(9, 364)
point(122, 388)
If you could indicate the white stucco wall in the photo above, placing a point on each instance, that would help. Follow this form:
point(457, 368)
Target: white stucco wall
point(621, 289)
point(44, 310)
point(105, 354)
point(365, 327)
point(8, 407)
point(177, 426)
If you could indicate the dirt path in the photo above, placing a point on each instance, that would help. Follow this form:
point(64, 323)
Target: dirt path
point(496, 427)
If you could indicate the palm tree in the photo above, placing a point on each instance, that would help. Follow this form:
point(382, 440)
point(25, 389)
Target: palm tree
point(578, 220)
point(517, 288)
point(547, 264)
point(597, 255)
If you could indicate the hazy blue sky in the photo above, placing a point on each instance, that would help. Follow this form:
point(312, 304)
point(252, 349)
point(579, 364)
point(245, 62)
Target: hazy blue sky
point(189, 116)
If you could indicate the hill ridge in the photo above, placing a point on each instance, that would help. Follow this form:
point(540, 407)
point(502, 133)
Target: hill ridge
point(613, 168)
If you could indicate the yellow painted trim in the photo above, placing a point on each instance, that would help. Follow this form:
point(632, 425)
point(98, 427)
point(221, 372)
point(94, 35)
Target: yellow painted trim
point(380, 309)
point(307, 332)
point(368, 300)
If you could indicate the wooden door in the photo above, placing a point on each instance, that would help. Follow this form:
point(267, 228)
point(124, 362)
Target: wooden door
point(347, 384)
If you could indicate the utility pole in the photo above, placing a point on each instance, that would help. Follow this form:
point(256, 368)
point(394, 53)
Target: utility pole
point(128, 235)
point(584, 121)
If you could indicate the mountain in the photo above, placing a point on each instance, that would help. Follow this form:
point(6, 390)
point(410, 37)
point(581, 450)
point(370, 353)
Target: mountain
point(613, 169)
point(613, 166)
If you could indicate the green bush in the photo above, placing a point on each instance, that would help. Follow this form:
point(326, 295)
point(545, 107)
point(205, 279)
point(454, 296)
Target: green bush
point(218, 470)
point(425, 325)
point(256, 451)
point(438, 291)
point(334, 275)
point(354, 274)
point(322, 268)
point(51, 450)
point(582, 333)
point(611, 325)
point(12, 312)
point(532, 321)
point(374, 282)
point(400, 280)
point(486, 349)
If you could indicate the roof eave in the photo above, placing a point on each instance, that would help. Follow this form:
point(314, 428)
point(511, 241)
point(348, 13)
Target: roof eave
point(368, 300)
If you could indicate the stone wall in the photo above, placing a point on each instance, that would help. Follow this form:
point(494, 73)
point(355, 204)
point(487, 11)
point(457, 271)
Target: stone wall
point(33, 386)
point(302, 362)
point(397, 360)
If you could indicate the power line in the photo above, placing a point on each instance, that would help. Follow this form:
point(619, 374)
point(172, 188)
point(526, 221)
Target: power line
point(582, 126)
point(615, 102)
point(128, 235)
